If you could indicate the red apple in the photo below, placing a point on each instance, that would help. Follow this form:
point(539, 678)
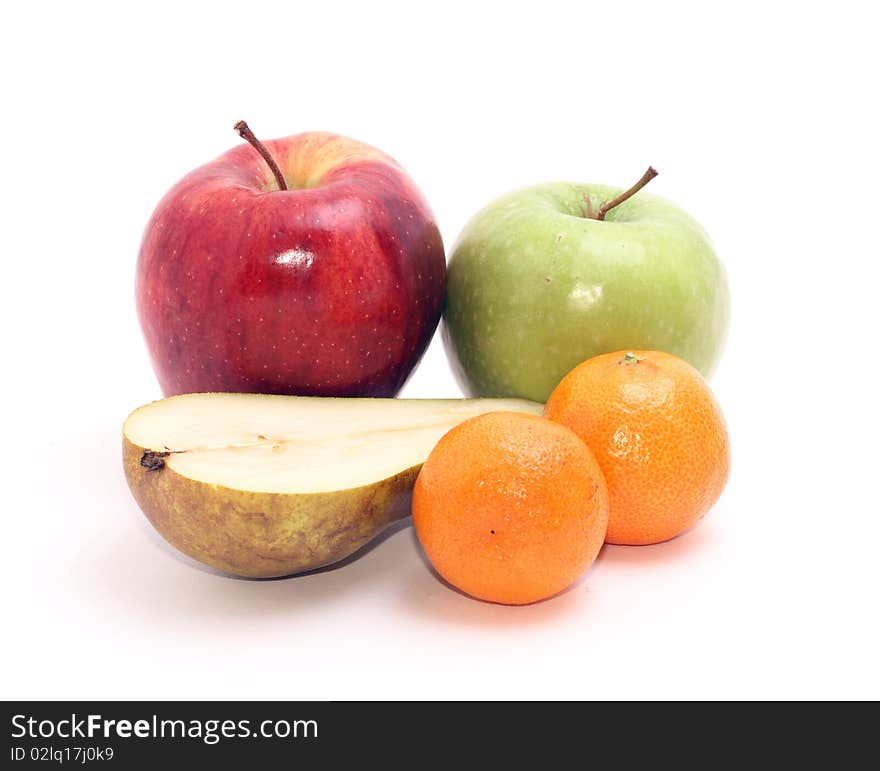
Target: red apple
point(332, 287)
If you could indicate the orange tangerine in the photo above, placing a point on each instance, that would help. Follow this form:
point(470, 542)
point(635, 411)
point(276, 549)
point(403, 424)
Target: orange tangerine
point(658, 435)
point(510, 507)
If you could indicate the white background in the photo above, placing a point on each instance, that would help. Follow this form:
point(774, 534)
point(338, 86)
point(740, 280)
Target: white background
point(762, 123)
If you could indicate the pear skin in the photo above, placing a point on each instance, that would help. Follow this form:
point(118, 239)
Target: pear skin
point(264, 535)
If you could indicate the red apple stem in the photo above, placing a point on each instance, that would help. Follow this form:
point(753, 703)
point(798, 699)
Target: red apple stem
point(244, 131)
point(646, 178)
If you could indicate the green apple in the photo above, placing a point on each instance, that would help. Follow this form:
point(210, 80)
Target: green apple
point(548, 276)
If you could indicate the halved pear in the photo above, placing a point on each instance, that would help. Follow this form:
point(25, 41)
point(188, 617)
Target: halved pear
point(261, 486)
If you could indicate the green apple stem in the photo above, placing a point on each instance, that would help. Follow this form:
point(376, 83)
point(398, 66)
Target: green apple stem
point(244, 131)
point(646, 178)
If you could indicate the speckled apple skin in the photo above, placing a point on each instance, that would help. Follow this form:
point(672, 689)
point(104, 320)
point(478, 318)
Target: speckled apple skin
point(537, 285)
point(263, 535)
point(331, 288)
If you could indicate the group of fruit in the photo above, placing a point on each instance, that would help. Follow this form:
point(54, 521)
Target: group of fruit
point(311, 267)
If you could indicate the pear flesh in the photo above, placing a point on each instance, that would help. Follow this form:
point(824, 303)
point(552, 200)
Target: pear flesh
point(263, 485)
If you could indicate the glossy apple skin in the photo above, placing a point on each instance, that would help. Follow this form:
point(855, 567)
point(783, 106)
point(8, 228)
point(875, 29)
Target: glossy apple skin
point(536, 285)
point(331, 288)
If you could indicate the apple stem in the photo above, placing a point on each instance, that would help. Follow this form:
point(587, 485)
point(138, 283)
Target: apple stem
point(646, 178)
point(244, 131)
